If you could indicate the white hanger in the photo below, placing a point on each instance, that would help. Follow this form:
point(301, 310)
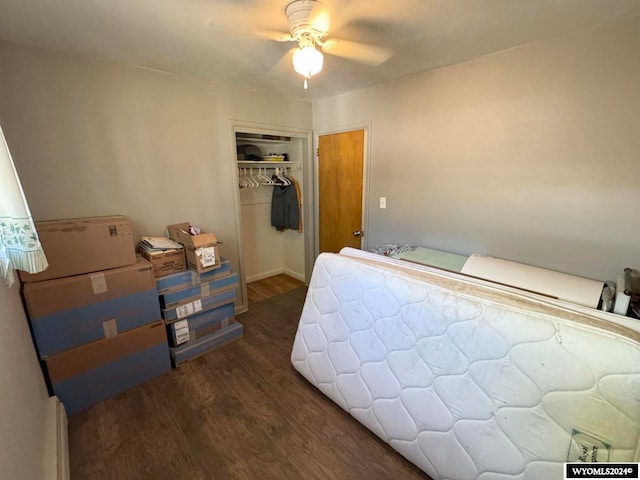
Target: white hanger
point(264, 179)
point(252, 179)
point(285, 181)
point(243, 178)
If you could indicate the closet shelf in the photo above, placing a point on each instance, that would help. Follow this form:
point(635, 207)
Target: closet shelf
point(267, 162)
point(249, 138)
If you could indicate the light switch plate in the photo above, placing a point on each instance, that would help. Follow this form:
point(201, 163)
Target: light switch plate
point(383, 202)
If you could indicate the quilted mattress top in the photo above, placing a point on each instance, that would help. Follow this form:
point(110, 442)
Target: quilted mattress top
point(466, 380)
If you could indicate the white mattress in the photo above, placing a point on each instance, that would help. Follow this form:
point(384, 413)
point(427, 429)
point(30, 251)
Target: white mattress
point(467, 380)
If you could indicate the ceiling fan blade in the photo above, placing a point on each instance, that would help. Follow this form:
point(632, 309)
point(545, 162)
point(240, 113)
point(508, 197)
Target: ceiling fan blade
point(360, 52)
point(272, 35)
point(319, 17)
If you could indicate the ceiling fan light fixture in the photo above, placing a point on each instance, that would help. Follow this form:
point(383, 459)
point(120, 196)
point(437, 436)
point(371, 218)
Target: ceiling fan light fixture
point(307, 61)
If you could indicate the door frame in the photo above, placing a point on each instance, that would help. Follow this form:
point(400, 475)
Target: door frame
point(366, 175)
point(308, 187)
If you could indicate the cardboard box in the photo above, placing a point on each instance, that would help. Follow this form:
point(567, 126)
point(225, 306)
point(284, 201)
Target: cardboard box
point(192, 350)
point(83, 245)
point(164, 262)
point(94, 372)
point(199, 325)
point(201, 250)
point(202, 290)
point(67, 312)
point(199, 305)
point(189, 278)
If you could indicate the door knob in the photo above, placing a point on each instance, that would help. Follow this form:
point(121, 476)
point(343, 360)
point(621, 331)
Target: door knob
point(357, 233)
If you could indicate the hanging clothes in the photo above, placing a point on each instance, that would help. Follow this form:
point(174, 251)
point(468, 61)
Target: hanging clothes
point(285, 207)
point(295, 183)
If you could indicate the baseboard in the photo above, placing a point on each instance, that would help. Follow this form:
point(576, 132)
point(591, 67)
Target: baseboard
point(263, 275)
point(56, 451)
point(240, 309)
point(64, 472)
point(272, 273)
point(296, 275)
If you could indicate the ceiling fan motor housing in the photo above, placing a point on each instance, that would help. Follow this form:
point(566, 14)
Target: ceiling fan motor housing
point(299, 14)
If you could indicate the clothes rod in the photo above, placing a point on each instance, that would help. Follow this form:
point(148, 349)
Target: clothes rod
point(294, 167)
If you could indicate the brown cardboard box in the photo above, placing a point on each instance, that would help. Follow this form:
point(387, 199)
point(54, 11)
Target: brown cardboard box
point(83, 245)
point(165, 261)
point(57, 295)
point(71, 311)
point(201, 250)
point(91, 373)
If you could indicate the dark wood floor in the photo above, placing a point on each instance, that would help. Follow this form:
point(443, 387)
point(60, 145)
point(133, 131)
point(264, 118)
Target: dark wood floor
point(240, 412)
point(269, 287)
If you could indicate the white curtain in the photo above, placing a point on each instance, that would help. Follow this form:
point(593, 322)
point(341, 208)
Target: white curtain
point(20, 248)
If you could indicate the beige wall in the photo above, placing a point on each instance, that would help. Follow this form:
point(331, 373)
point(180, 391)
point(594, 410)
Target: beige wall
point(93, 138)
point(531, 154)
point(24, 396)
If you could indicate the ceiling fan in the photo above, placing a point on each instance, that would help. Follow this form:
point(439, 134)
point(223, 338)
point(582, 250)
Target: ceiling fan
point(309, 25)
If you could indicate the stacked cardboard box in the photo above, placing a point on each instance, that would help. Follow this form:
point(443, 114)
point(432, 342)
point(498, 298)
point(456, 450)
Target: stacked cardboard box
point(198, 310)
point(165, 255)
point(94, 312)
point(201, 250)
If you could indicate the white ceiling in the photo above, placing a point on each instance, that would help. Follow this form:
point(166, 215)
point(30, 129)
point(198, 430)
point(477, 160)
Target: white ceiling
point(226, 40)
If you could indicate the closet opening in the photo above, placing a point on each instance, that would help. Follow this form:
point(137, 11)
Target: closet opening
point(274, 210)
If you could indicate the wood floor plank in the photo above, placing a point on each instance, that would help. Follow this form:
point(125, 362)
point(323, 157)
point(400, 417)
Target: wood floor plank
point(240, 412)
point(270, 287)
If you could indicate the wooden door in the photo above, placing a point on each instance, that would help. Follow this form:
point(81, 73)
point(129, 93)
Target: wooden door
point(340, 170)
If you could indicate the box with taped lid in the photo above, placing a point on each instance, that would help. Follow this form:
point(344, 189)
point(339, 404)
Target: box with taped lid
point(83, 245)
